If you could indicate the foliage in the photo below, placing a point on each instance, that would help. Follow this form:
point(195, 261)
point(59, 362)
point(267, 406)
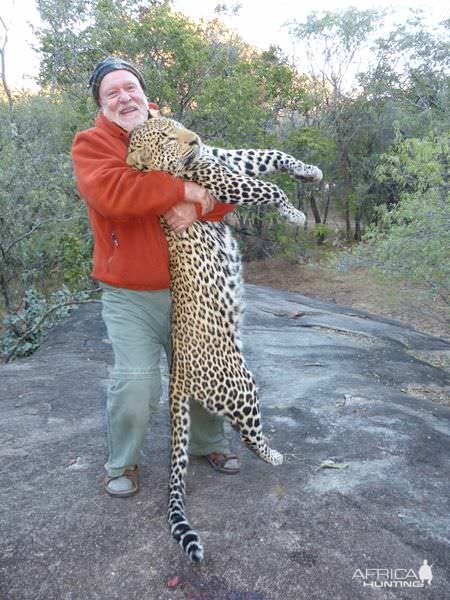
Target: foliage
point(334, 43)
point(404, 85)
point(321, 232)
point(313, 146)
point(412, 239)
point(370, 109)
point(26, 327)
point(44, 236)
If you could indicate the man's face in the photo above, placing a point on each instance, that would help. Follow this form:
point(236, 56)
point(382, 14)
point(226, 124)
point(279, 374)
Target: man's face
point(122, 100)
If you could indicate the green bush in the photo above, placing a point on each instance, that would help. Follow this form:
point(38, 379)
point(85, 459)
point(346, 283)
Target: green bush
point(321, 232)
point(412, 239)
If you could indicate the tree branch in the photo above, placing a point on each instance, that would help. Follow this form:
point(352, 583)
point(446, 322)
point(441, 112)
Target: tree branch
point(30, 232)
point(3, 66)
point(36, 326)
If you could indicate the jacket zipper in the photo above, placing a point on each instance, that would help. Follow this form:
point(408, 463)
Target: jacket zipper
point(114, 239)
point(115, 244)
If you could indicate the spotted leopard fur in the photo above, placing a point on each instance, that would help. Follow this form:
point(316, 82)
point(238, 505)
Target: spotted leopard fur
point(205, 269)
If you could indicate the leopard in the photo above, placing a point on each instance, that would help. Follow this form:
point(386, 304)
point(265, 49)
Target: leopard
point(208, 365)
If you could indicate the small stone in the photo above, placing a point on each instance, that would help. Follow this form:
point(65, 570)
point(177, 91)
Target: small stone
point(173, 582)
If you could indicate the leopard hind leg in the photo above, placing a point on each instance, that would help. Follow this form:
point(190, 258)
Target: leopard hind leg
point(244, 414)
point(180, 528)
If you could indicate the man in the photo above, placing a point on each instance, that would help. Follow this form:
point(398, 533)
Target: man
point(131, 264)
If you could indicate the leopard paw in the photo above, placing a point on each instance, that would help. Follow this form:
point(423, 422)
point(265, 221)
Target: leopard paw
point(307, 173)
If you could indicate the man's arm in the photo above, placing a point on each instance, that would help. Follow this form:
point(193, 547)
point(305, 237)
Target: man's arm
point(182, 215)
point(119, 192)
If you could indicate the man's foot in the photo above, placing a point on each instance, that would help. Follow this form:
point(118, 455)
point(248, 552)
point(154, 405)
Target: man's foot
point(125, 485)
point(224, 463)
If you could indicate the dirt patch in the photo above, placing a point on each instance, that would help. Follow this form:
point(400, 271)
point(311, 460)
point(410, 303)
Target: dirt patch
point(359, 289)
point(429, 392)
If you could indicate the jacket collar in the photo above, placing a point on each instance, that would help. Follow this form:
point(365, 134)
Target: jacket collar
point(110, 127)
point(117, 131)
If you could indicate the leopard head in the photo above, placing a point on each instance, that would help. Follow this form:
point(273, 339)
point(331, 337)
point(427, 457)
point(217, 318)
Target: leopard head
point(162, 145)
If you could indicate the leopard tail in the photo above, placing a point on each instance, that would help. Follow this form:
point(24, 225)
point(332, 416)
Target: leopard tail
point(180, 528)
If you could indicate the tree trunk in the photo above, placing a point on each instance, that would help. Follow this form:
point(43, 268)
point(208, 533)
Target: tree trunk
point(357, 235)
point(327, 205)
point(301, 203)
point(315, 208)
point(258, 224)
point(348, 187)
point(348, 225)
point(3, 67)
point(5, 292)
point(299, 196)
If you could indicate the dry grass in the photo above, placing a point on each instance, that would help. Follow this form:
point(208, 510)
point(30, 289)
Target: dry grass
point(358, 288)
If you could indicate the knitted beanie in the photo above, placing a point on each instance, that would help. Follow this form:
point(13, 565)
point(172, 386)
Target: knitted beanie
point(106, 66)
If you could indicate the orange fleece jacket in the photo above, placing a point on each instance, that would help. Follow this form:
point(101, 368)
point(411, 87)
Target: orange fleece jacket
point(130, 249)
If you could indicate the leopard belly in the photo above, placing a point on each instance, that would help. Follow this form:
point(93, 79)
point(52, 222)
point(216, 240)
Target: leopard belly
point(207, 364)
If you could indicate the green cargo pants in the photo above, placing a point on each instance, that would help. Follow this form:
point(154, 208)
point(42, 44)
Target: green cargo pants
point(138, 325)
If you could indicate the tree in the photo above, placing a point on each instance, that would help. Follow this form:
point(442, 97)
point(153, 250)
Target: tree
point(412, 65)
point(335, 42)
point(404, 84)
point(342, 115)
point(44, 239)
point(412, 238)
point(4, 43)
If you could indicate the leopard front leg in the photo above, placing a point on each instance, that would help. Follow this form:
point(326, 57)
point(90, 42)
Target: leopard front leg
point(254, 162)
point(233, 188)
point(180, 527)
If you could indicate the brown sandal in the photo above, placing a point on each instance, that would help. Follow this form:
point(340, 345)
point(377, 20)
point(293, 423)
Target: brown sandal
point(218, 462)
point(128, 488)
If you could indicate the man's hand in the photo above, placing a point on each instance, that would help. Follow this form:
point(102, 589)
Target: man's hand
point(196, 193)
point(181, 216)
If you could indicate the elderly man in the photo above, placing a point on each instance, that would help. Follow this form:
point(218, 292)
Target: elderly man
point(131, 264)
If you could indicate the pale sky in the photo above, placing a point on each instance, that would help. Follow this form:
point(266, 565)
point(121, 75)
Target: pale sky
point(259, 22)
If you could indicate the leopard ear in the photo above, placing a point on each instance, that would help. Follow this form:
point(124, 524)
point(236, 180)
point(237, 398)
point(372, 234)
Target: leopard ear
point(141, 160)
point(154, 113)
